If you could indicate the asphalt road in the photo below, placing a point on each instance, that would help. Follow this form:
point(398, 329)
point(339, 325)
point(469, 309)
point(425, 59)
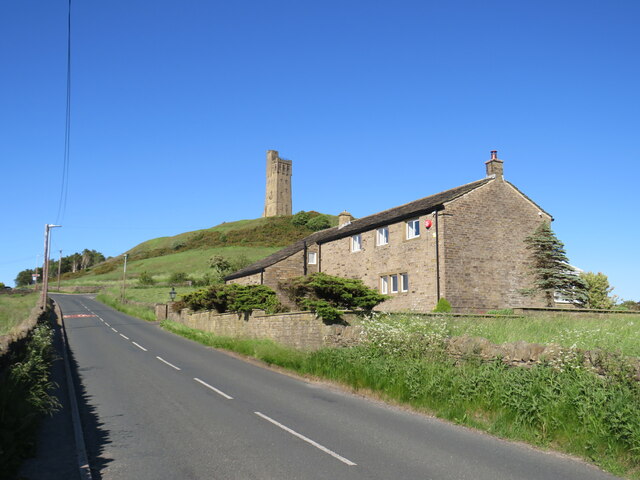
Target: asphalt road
point(158, 406)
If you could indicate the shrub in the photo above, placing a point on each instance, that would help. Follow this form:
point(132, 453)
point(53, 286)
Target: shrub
point(232, 298)
point(301, 218)
point(318, 223)
point(443, 306)
point(326, 295)
point(178, 277)
point(146, 278)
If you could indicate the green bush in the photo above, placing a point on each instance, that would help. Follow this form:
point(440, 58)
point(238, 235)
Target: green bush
point(146, 278)
point(232, 298)
point(301, 218)
point(178, 277)
point(443, 306)
point(319, 222)
point(326, 295)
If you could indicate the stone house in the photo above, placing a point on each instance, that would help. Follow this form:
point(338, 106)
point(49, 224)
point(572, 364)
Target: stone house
point(465, 244)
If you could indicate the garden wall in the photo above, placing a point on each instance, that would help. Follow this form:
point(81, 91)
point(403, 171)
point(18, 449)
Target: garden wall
point(302, 330)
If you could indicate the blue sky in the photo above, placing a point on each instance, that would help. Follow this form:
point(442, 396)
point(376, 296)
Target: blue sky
point(174, 104)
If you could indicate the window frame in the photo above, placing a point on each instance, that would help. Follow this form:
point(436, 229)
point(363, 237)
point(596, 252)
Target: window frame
point(356, 243)
point(384, 237)
point(393, 279)
point(413, 226)
point(384, 284)
point(311, 255)
point(404, 282)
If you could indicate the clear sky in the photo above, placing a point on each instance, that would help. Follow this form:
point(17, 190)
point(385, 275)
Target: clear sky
point(378, 103)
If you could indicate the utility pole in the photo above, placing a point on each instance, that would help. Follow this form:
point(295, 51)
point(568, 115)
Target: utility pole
point(59, 269)
point(124, 277)
point(45, 267)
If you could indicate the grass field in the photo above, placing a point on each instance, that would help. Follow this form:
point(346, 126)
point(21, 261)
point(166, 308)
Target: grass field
point(615, 333)
point(15, 309)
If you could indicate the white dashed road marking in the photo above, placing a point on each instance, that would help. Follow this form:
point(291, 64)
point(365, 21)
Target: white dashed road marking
point(219, 392)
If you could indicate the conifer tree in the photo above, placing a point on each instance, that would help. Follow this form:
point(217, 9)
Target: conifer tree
point(550, 268)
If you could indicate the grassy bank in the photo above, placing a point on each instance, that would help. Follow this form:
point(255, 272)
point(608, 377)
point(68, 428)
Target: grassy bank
point(14, 309)
point(565, 407)
point(24, 398)
point(138, 311)
point(614, 333)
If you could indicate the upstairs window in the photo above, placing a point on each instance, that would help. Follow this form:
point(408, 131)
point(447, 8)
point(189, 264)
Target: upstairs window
point(356, 243)
point(413, 228)
point(382, 236)
point(313, 258)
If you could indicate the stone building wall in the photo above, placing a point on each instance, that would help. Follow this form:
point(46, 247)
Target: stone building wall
point(484, 255)
point(415, 256)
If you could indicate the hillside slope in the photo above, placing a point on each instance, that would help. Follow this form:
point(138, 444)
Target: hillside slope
point(189, 252)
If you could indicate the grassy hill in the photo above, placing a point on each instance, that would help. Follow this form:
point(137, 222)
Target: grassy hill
point(240, 241)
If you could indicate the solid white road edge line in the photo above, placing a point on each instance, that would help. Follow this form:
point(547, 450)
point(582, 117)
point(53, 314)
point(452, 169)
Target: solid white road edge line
point(308, 440)
point(139, 346)
point(219, 392)
point(170, 364)
point(124, 336)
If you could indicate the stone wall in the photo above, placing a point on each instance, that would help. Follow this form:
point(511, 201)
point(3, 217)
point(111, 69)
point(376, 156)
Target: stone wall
point(415, 256)
point(301, 330)
point(484, 255)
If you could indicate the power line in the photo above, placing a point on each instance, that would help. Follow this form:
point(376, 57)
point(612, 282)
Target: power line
point(64, 187)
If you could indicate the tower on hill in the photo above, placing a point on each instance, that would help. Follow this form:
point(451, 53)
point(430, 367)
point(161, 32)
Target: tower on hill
point(278, 197)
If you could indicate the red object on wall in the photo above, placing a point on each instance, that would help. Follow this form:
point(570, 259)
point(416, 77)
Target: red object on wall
point(428, 224)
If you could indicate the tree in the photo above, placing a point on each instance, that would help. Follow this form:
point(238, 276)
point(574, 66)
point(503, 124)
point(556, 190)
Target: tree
point(598, 290)
point(551, 270)
point(24, 278)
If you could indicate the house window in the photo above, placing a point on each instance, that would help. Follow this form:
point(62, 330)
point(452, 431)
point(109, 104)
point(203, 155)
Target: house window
point(382, 236)
point(413, 228)
point(404, 282)
point(384, 285)
point(356, 243)
point(313, 258)
point(394, 283)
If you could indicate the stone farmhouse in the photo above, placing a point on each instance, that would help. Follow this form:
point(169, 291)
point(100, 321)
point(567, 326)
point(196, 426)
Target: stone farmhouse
point(465, 244)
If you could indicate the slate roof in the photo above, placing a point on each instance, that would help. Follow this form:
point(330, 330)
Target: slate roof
point(408, 210)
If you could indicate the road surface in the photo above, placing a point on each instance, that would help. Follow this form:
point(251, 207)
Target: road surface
point(158, 406)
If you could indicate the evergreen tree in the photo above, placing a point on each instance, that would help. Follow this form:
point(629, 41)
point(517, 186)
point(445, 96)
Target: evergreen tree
point(550, 268)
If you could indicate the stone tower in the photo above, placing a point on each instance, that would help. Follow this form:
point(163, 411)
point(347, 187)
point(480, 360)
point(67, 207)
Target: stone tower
point(278, 198)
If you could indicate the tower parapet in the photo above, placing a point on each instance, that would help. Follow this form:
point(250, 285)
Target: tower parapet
point(278, 196)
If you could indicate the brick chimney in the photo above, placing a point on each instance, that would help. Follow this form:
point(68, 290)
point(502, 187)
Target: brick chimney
point(494, 165)
point(344, 219)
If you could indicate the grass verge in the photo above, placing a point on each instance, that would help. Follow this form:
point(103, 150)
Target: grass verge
point(568, 409)
point(24, 398)
point(138, 311)
point(14, 309)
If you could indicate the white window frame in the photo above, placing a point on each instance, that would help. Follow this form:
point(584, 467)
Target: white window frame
point(393, 279)
point(356, 242)
point(413, 228)
point(384, 284)
point(382, 236)
point(404, 282)
point(312, 258)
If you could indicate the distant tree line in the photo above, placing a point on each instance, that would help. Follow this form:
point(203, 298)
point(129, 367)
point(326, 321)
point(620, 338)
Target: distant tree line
point(70, 264)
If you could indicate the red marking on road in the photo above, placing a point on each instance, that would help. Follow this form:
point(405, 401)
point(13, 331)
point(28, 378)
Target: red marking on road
point(81, 315)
